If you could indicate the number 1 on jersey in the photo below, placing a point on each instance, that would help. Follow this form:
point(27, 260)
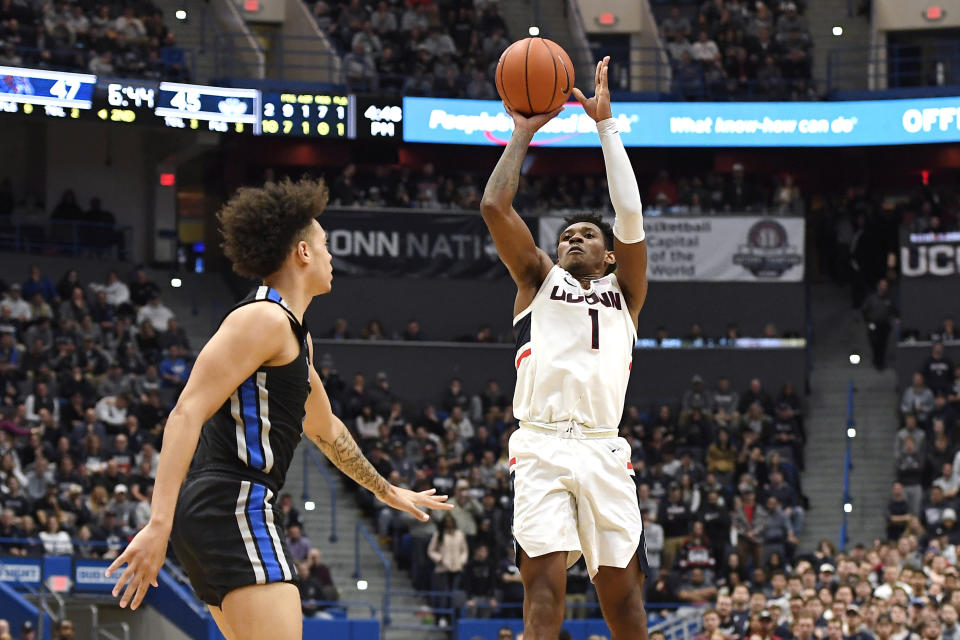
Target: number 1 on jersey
point(595, 321)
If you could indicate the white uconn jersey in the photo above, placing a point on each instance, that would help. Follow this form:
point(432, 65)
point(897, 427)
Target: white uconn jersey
point(574, 353)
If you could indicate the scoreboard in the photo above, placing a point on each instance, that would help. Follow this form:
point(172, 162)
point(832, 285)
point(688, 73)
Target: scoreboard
point(176, 105)
point(52, 94)
point(306, 114)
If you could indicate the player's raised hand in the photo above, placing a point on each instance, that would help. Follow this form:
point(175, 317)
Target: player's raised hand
point(530, 124)
point(144, 557)
point(597, 107)
point(413, 501)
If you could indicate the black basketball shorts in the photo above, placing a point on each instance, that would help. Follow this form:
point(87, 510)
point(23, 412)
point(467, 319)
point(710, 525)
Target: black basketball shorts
point(227, 533)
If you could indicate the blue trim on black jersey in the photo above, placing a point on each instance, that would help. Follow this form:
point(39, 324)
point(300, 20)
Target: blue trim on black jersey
point(251, 422)
point(258, 524)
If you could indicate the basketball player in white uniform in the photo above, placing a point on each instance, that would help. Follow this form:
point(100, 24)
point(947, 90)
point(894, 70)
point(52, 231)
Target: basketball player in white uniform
point(576, 324)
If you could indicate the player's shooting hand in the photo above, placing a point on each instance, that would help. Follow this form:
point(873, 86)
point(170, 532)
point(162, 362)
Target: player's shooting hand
point(413, 502)
point(532, 123)
point(144, 557)
point(597, 107)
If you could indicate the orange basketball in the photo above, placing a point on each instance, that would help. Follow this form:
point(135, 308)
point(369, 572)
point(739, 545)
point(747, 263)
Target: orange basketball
point(534, 75)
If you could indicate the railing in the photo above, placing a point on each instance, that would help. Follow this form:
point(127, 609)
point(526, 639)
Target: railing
point(67, 237)
point(894, 66)
point(362, 531)
point(311, 456)
point(122, 627)
point(849, 430)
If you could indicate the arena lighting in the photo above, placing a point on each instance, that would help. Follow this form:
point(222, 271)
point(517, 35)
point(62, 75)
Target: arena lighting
point(838, 31)
point(181, 14)
point(851, 432)
point(847, 507)
point(534, 31)
point(854, 358)
point(309, 505)
point(176, 283)
point(362, 585)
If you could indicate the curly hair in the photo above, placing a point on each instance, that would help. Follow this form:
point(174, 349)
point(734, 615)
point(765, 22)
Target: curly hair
point(261, 225)
point(593, 219)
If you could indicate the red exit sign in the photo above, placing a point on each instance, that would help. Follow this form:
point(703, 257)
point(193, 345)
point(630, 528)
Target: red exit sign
point(607, 19)
point(934, 13)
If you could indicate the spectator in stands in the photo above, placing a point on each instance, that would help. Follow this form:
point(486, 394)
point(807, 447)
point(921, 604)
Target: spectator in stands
point(479, 584)
point(918, 400)
point(39, 283)
point(749, 520)
point(155, 312)
point(880, 313)
point(142, 289)
point(938, 370)
point(18, 308)
point(55, 541)
point(359, 69)
point(63, 630)
point(948, 331)
point(448, 550)
point(298, 544)
point(909, 467)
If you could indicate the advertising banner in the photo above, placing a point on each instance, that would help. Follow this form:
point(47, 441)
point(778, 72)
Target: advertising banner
point(714, 249)
point(411, 244)
point(698, 124)
point(90, 575)
point(21, 571)
point(934, 255)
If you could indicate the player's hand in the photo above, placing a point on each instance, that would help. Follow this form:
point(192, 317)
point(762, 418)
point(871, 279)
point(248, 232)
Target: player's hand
point(532, 123)
point(412, 502)
point(597, 107)
point(144, 557)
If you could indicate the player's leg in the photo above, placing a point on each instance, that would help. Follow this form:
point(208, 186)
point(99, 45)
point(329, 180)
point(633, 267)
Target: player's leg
point(262, 611)
point(218, 617)
point(544, 590)
point(620, 592)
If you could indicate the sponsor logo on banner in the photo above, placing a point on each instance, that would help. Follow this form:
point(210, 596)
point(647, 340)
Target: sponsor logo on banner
point(93, 575)
point(688, 124)
point(768, 252)
point(21, 573)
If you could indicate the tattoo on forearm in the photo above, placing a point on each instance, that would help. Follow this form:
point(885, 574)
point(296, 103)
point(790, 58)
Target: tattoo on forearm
point(346, 455)
point(505, 178)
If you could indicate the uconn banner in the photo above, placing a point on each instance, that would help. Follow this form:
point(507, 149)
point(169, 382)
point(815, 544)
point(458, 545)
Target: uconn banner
point(935, 255)
point(715, 248)
point(411, 244)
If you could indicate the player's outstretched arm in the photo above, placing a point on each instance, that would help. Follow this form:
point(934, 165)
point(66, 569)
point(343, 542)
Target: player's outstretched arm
point(630, 244)
point(224, 363)
point(515, 244)
point(329, 433)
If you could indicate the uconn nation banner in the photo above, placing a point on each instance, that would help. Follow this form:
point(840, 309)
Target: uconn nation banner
point(715, 248)
point(428, 245)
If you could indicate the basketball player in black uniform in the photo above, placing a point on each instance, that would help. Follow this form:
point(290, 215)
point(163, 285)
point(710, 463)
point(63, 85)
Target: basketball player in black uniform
point(252, 391)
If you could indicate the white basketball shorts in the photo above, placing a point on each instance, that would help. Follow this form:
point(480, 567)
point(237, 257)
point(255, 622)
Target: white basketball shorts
point(576, 494)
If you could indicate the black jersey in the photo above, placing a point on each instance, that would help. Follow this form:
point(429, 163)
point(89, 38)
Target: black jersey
point(256, 431)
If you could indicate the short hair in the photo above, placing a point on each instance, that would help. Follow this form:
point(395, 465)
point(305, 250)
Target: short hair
point(261, 225)
point(591, 218)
